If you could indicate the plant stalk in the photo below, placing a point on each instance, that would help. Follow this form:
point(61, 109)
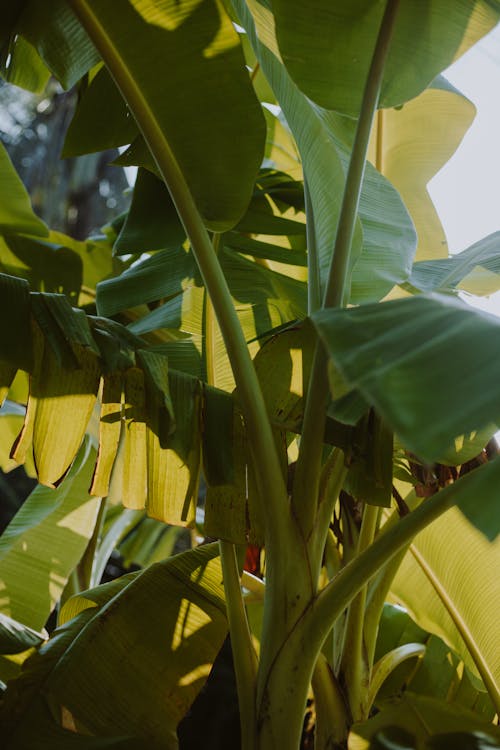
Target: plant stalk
point(292, 669)
point(244, 656)
point(306, 483)
point(355, 668)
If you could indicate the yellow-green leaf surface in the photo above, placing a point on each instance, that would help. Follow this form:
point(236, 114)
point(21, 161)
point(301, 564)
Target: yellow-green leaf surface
point(25, 68)
point(109, 432)
point(16, 214)
point(173, 461)
point(157, 631)
point(206, 115)
point(43, 543)
point(64, 402)
point(226, 509)
point(410, 145)
point(449, 583)
point(327, 47)
point(11, 422)
point(134, 487)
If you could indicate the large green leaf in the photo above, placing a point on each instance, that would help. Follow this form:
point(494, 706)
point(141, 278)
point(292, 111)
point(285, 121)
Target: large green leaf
point(44, 542)
point(16, 214)
point(157, 632)
point(159, 276)
point(440, 673)
point(385, 240)
point(152, 222)
point(327, 47)
point(42, 733)
point(430, 366)
point(102, 119)
point(449, 582)
point(207, 111)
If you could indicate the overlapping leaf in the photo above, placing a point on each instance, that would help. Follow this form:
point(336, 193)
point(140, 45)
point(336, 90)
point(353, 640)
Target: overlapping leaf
point(384, 351)
point(475, 270)
point(44, 542)
point(454, 594)
point(179, 605)
point(327, 47)
point(384, 241)
point(409, 145)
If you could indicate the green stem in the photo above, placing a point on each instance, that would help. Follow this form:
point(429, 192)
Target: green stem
point(354, 664)
point(332, 479)
point(210, 327)
point(338, 594)
point(244, 657)
point(335, 293)
point(376, 598)
point(305, 493)
point(272, 490)
point(292, 669)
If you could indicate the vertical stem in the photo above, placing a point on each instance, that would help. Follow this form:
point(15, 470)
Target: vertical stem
point(244, 657)
point(354, 665)
point(210, 326)
point(307, 475)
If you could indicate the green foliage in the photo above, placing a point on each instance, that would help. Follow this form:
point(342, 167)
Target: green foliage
point(190, 356)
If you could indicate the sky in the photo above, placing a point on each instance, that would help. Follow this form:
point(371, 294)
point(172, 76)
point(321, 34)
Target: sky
point(466, 192)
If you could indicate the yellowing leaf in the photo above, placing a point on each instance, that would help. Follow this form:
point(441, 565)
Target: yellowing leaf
point(410, 145)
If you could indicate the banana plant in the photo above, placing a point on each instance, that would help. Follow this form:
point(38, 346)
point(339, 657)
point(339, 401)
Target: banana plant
point(274, 326)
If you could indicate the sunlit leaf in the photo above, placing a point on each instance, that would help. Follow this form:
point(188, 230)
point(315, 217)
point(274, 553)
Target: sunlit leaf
point(384, 351)
point(46, 539)
point(409, 145)
point(180, 605)
point(327, 48)
point(452, 594)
